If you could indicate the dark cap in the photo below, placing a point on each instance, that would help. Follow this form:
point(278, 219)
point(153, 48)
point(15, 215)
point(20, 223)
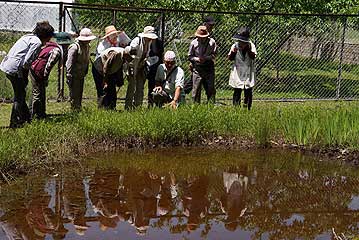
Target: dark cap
point(242, 34)
point(209, 20)
point(63, 38)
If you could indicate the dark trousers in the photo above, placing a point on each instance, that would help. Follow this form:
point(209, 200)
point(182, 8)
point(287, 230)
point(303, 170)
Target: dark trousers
point(203, 76)
point(20, 113)
point(76, 88)
point(151, 76)
point(248, 95)
point(98, 78)
point(109, 98)
point(38, 97)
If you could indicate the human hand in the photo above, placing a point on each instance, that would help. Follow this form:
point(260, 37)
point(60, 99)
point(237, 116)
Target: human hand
point(157, 89)
point(173, 104)
point(234, 49)
point(197, 59)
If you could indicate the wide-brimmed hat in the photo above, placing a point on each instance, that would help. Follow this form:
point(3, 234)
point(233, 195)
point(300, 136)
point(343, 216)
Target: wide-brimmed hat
point(109, 30)
point(149, 32)
point(86, 35)
point(63, 38)
point(242, 34)
point(202, 32)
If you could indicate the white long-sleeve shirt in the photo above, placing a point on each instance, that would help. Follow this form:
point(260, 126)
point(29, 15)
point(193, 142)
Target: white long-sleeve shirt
point(21, 55)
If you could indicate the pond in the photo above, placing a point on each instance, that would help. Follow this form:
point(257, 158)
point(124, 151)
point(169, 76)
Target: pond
point(185, 193)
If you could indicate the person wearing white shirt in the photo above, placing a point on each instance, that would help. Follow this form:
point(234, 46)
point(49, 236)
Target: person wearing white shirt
point(169, 82)
point(16, 65)
point(242, 76)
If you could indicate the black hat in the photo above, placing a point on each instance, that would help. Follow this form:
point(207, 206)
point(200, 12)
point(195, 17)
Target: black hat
point(209, 20)
point(242, 34)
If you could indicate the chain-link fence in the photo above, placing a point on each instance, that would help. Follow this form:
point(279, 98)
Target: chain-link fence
point(299, 56)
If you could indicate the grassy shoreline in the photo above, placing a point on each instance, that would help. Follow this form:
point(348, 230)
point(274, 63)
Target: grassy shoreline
point(315, 125)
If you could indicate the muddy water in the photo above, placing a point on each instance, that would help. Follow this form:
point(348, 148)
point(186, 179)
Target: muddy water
point(185, 194)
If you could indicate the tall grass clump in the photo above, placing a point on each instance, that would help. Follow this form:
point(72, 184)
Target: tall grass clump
point(309, 124)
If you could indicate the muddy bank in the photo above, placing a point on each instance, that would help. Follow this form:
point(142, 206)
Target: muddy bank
point(73, 152)
point(221, 142)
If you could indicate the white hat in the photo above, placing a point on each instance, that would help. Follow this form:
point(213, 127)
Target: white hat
point(86, 35)
point(170, 56)
point(149, 32)
point(127, 50)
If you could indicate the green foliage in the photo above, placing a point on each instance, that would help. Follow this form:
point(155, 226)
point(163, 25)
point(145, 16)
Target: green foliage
point(285, 6)
point(321, 125)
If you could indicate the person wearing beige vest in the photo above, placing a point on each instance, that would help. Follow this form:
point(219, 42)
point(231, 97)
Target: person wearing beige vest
point(111, 65)
point(77, 66)
point(140, 48)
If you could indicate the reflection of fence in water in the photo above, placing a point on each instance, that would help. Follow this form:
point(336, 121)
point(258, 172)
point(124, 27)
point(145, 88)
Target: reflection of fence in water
point(299, 56)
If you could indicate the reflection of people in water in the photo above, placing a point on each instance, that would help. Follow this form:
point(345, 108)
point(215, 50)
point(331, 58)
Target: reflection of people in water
point(234, 198)
point(109, 198)
point(15, 226)
point(75, 204)
point(144, 191)
point(37, 220)
point(43, 220)
point(195, 201)
point(167, 194)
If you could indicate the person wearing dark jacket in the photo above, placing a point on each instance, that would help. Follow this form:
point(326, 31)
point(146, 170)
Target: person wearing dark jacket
point(202, 52)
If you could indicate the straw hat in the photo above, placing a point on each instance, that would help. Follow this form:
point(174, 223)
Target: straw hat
point(202, 32)
point(86, 35)
point(149, 32)
point(109, 30)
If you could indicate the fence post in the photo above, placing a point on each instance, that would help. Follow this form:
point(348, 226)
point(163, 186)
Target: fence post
point(163, 27)
point(256, 32)
point(114, 13)
point(340, 68)
point(60, 68)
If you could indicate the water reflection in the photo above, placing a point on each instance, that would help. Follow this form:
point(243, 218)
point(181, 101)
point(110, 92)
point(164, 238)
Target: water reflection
point(247, 201)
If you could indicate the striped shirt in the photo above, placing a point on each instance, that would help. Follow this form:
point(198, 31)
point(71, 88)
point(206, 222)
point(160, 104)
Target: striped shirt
point(55, 55)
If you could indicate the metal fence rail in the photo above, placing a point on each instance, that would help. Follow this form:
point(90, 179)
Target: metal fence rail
point(299, 56)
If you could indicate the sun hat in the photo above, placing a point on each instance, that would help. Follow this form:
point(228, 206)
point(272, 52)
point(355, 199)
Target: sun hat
point(63, 38)
point(86, 35)
point(242, 34)
point(202, 32)
point(170, 56)
point(149, 32)
point(109, 30)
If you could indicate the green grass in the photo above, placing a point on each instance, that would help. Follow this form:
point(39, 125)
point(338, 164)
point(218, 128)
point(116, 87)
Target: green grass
point(311, 124)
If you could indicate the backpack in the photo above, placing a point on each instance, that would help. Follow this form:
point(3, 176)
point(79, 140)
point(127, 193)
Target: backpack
point(38, 66)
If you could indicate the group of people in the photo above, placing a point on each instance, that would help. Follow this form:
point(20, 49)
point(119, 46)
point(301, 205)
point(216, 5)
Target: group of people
point(117, 57)
point(136, 197)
